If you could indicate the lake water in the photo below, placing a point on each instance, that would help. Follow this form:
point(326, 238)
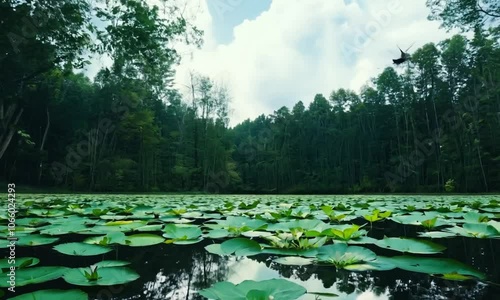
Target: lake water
point(177, 272)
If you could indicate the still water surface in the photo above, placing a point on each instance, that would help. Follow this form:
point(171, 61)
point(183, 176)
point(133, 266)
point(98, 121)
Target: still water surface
point(177, 272)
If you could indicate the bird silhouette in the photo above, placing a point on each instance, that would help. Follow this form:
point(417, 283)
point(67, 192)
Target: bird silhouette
point(404, 56)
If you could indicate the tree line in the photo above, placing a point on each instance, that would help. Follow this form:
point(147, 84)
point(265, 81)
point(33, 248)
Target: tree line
point(430, 126)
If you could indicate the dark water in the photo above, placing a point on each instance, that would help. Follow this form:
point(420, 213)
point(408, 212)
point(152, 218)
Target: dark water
point(177, 272)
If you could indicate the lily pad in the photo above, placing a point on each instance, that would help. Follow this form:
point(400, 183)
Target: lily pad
point(142, 239)
point(294, 261)
point(410, 245)
point(432, 265)
point(352, 258)
point(276, 289)
point(107, 276)
point(81, 249)
point(53, 295)
point(111, 263)
point(437, 234)
point(30, 240)
point(36, 275)
point(476, 230)
point(292, 252)
point(182, 234)
point(236, 246)
point(21, 262)
point(108, 239)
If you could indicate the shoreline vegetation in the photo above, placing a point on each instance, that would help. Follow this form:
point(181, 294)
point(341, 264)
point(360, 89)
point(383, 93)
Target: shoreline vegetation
point(424, 126)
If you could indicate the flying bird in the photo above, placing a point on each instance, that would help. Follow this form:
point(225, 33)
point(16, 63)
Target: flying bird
point(404, 56)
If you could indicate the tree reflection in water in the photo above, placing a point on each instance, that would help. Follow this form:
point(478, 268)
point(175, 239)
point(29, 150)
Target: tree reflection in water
point(177, 272)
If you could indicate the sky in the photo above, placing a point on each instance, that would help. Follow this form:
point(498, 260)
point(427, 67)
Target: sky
point(273, 53)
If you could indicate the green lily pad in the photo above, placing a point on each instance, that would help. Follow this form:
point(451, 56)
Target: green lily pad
point(410, 245)
point(306, 225)
point(432, 265)
point(220, 233)
point(437, 234)
point(21, 262)
point(238, 223)
point(255, 234)
point(107, 276)
point(344, 232)
point(111, 263)
point(353, 258)
point(182, 234)
point(475, 217)
point(81, 249)
point(30, 240)
point(476, 230)
point(36, 275)
point(64, 228)
point(276, 289)
point(148, 228)
point(53, 295)
point(142, 240)
point(456, 277)
point(312, 252)
point(33, 222)
point(236, 246)
point(108, 239)
point(294, 261)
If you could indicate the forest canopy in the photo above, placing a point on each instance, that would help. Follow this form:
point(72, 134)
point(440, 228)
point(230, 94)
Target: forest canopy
point(429, 126)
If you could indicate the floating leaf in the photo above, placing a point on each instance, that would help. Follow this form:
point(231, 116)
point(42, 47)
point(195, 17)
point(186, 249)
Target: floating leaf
point(410, 245)
point(182, 234)
point(111, 263)
point(293, 261)
point(237, 246)
point(475, 217)
point(254, 234)
point(353, 258)
point(53, 295)
point(21, 262)
point(35, 275)
point(476, 230)
point(431, 265)
point(30, 240)
point(107, 276)
point(108, 239)
point(81, 249)
point(142, 240)
point(437, 234)
point(276, 289)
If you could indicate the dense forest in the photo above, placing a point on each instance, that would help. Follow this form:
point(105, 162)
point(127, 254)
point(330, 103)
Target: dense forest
point(432, 125)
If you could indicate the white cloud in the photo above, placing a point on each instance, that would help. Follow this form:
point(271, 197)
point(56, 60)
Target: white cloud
point(265, 66)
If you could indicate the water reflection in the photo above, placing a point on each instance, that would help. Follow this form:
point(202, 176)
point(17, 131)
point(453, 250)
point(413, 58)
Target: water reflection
point(178, 272)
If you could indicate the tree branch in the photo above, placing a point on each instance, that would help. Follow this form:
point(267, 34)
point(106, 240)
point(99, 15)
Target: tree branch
point(491, 14)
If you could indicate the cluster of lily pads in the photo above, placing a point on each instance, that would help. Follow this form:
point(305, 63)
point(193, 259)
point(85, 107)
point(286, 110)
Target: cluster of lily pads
point(298, 230)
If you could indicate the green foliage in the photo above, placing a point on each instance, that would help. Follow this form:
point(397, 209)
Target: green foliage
point(107, 276)
point(53, 295)
point(276, 289)
point(92, 275)
point(450, 186)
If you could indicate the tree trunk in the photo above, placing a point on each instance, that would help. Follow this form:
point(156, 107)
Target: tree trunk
point(7, 136)
point(42, 145)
